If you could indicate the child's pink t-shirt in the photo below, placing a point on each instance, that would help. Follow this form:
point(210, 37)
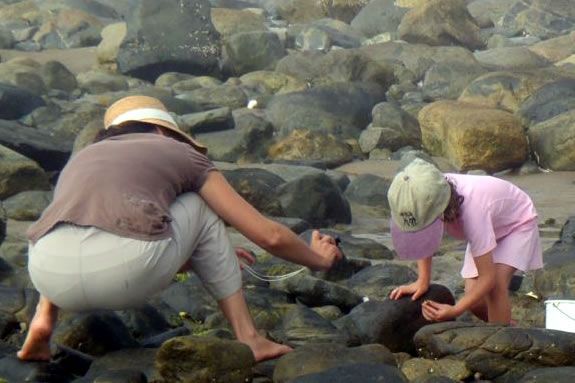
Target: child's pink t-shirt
point(492, 208)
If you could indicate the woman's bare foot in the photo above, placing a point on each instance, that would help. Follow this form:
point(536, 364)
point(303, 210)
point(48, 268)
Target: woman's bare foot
point(264, 349)
point(37, 344)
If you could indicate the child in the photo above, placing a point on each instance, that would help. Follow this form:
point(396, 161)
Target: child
point(497, 219)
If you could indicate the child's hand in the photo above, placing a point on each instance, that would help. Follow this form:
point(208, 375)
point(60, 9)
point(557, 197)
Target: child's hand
point(415, 289)
point(437, 312)
point(245, 256)
point(325, 246)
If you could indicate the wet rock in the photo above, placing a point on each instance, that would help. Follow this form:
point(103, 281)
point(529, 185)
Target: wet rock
point(203, 360)
point(68, 28)
point(391, 128)
point(14, 370)
point(449, 79)
point(229, 21)
point(87, 135)
point(23, 73)
point(247, 142)
point(377, 281)
point(344, 10)
point(549, 375)
point(196, 82)
point(549, 101)
point(147, 51)
point(473, 137)
point(501, 354)
point(324, 204)
point(144, 322)
point(205, 122)
point(189, 297)
point(510, 58)
point(251, 51)
point(315, 292)
point(556, 49)
point(441, 22)
point(231, 96)
point(125, 363)
point(296, 11)
point(57, 76)
point(417, 58)
point(542, 18)
point(302, 325)
point(19, 174)
point(320, 109)
point(117, 376)
point(505, 90)
point(97, 82)
point(27, 205)
point(38, 145)
point(377, 17)
point(357, 251)
point(500, 41)
point(488, 12)
point(307, 361)
point(93, 333)
point(109, 46)
point(324, 34)
point(311, 148)
point(551, 141)
point(418, 368)
point(272, 82)
point(370, 190)
point(341, 65)
point(556, 279)
point(392, 323)
point(258, 187)
point(16, 102)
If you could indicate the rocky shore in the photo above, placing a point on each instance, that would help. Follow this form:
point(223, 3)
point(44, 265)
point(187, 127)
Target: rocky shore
point(308, 107)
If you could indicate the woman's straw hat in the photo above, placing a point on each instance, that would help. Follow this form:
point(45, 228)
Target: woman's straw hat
point(145, 109)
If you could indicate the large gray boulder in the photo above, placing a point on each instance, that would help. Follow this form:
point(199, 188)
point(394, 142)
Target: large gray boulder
point(496, 353)
point(552, 141)
point(441, 22)
point(314, 359)
point(156, 42)
point(541, 18)
point(341, 109)
point(392, 323)
point(324, 203)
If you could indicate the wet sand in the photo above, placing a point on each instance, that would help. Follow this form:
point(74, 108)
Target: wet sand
point(77, 60)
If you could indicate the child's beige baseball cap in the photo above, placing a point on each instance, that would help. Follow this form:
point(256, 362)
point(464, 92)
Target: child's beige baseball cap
point(418, 196)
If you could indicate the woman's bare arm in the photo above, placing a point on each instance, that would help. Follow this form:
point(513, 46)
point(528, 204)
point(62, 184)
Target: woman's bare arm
point(264, 232)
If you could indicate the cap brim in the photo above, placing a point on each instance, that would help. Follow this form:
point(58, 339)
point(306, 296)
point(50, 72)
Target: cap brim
point(417, 244)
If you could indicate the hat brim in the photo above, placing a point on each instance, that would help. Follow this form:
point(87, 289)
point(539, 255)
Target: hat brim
point(187, 138)
point(419, 244)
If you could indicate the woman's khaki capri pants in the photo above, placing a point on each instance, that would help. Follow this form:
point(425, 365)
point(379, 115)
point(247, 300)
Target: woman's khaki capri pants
point(83, 268)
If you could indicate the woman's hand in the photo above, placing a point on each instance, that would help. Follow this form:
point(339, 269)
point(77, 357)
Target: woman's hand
point(437, 312)
point(326, 247)
point(245, 256)
point(415, 289)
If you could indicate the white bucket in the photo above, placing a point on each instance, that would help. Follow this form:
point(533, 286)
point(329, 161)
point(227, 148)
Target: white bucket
point(560, 315)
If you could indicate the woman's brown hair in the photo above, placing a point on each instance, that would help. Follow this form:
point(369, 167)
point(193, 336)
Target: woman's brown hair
point(453, 209)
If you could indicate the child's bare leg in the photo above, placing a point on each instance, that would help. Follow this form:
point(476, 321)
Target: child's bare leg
point(498, 302)
point(480, 309)
point(236, 311)
point(37, 343)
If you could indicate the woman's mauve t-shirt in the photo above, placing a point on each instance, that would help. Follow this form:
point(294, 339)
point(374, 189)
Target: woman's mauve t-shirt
point(125, 185)
point(492, 208)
